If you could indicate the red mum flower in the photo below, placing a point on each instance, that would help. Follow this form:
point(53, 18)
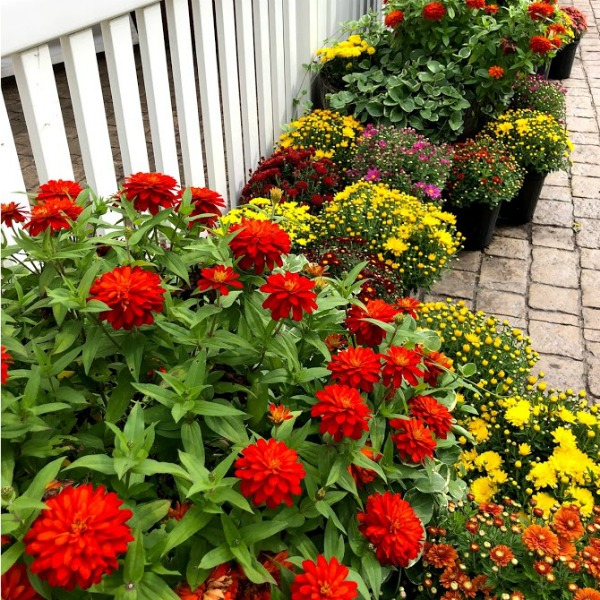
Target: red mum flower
point(343, 412)
point(357, 367)
point(54, 213)
point(567, 523)
point(501, 555)
point(150, 191)
point(178, 511)
point(220, 278)
point(490, 508)
point(78, 536)
point(259, 244)
point(475, 4)
point(402, 365)
point(12, 213)
point(409, 306)
point(58, 190)
point(362, 475)
point(279, 414)
point(221, 584)
point(132, 295)
point(206, 202)
point(394, 18)
point(540, 44)
point(16, 585)
point(4, 363)
point(435, 365)
point(440, 556)
point(434, 11)
point(369, 334)
point(270, 473)
point(491, 9)
point(414, 441)
point(323, 581)
point(434, 414)
point(496, 72)
point(540, 10)
point(289, 292)
point(392, 526)
point(556, 29)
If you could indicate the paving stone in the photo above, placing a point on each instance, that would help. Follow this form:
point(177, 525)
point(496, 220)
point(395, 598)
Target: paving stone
point(562, 373)
point(587, 153)
point(585, 169)
point(520, 232)
point(586, 187)
point(505, 274)
point(549, 297)
point(590, 287)
point(593, 368)
point(588, 235)
point(550, 212)
point(554, 267)
point(558, 178)
point(509, 247)
point(590, 259)
point(456, 284)
point(553, 237)
point(514, 322)
point(591, 318)
point(553, 192)
point(502, 303)
point(580, 137)
point(553, 338)
point(581, 124)
point(591, 335)
point(469, 261)
point(554, 317)
point(586, 208)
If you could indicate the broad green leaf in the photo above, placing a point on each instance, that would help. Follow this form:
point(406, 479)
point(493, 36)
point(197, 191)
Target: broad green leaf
point(263, 530)
point(191, 437)
point(150, 513)
point(193, 521)
point(135, 558)
point(153, 587)
point(10, 556)
point(215, 557)
point(94, 462)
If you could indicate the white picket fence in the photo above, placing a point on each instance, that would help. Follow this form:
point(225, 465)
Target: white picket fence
point(235, 67)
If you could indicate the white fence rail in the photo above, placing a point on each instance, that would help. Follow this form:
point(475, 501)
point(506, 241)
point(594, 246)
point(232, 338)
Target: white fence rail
point(233, 68)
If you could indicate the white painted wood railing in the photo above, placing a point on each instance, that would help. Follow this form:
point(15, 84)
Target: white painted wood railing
point(235, 67)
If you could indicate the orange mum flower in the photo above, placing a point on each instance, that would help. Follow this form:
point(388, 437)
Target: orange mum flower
point(436, 364)
point(12, 213)
point(220, 278)
point(151, 191)
point(440, 556)
point(323, 581)
point(392, 526)
point(178, 511)
point(289, 292)
point(541, 567)
point(16, 585)
point(540, 10)
point(409, 306)
point(362, 475)
point(491, 9)
point(501, 555)
point(279, 414)
point(369, 334)
point(401, 365)
point(221, 584)
point(567, 524)
point(54, 214)
point(259, 244)
point(394, 18)
point(357, 367)
point(76, 539)
point(591, 560)
point(414, 441)
point(434, 414)
point(587, 594)
point(434, 11)
point(538, 538)
point(131, 294)
point(540, 44)
point(58, 189)
point(206, 202)
point(270, 473)
point(566, 548)
point(343, 412)
point(6, 360)
point(496, 72)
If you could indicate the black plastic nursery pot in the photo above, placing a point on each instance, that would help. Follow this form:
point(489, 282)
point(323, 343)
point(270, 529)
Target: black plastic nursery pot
point(521, 208)
point(477, 223)
point(562, 63)
point(544, 70)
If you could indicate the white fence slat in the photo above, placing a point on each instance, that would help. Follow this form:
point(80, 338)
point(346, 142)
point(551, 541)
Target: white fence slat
point(208, 77)
point(41, 107)
point(262, 49)
point(12, 185)
point(230, 90)
point(158, 95)
point(88, 107)
point(278, 80)
point(125, 93)
point(307, 44)
point(322, 21)
point(184, 77)
point(292, 66)
point(247, 74)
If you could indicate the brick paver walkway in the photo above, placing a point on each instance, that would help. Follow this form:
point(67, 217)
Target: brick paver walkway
point(544, 277)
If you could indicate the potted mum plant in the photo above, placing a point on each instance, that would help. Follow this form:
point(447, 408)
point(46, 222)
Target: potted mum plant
point(562, 63)
point(537, 93)
point(483, 175)
point(540, 144)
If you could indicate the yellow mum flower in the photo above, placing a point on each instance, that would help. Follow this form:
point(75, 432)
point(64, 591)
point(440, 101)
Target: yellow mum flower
point(564, 437)
point(479, 430)
point(583, 498)
point(519, 414)
point(543, 475)
point(585, 418)
point(524, 449)
point(484, 489)
point(490, 461)
point(545, 502)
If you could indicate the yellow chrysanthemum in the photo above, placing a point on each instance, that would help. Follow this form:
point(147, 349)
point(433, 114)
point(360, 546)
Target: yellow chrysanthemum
point(484, 489)
point(519, 414)
point(583, 498)
point(543, 475)
point(479, 430)
point(545, 502)
point(524, 449)
point(564, 437)
point(490, 461)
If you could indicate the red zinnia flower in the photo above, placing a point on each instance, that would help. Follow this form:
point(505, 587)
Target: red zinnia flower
point(335, 341)
point(16, 585)
point(206, 202)
point(536, 537)
point(402, 365)
point(132, 295)
point(556, 29)
point(12, 213)
point(357, 367)
point(540, 44)
point(259, 244)
point(54, 213)
point(567, 524)
point(58, 190)
point(150, 191)
point(78, 536)
point(289, 292)
point(440, 556)
point(279, 414)
point(221, 584)
point(408, 305)
point(362, 475)
point(220, 278)
point(435, 365)
point(496, 72)
point(178, 511)
point(434, 11)
point(501, 555)
point(540, 10)
point(435, 415)
point(270, 473)
point(394, 18)
point(323, 581)
point(413, 440)
point(392, 526)
point(491, 9)
point(475, 4)
point(343, 412)
point(6, 360)
point(369, 334)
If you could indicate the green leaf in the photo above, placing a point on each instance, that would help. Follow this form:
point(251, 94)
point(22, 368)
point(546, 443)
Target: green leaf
point(66, 336)
point(215, 557)
point(373, 572)
point(139, 235)
point(150, 513)
point(120, 398)
point(234, 498)
point(191, 437)
point(334, 542)
point(10, 556)
point(91, 346)
point(215, 409)
point(133, 350)
point(94, 462)
point(263, 530)
point(153, 587)
point(37, 488)
point(135, 559)
point(231, 428)
point(193, 521)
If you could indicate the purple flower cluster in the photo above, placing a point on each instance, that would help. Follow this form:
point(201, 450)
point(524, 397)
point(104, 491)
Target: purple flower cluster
point(535, 92)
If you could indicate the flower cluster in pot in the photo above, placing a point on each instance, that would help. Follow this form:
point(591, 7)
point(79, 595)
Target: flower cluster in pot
point(534, 92)
point(176, 423)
